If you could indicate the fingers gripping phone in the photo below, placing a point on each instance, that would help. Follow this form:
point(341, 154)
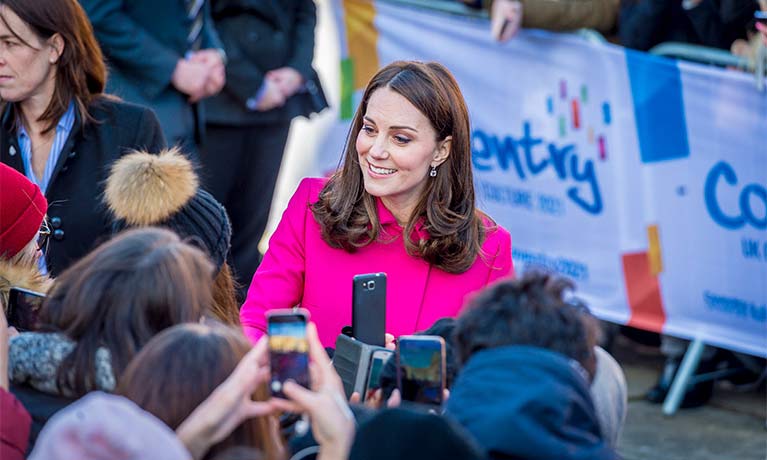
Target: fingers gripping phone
point(23, 308)
point(288, 348)
point(421, 368)
point(369, 308)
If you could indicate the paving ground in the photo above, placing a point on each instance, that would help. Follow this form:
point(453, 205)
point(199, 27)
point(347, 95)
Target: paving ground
point(731, 426)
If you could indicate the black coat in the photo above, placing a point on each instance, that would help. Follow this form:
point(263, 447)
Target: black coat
point(142, 41)
point(77, 216)
point(259, 36)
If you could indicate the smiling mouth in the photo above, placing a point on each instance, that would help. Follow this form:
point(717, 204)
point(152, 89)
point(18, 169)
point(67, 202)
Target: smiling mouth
point(381, 171)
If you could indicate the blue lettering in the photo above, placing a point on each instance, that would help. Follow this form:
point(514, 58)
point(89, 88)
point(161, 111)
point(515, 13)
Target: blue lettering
point(588, 175)
point(489, 152)
point(528, 142)
point(477, 155)
point(747, 214)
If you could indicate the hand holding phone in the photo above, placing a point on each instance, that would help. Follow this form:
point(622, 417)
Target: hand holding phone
point(421, 368)
point(288, 348)
point(23, 308)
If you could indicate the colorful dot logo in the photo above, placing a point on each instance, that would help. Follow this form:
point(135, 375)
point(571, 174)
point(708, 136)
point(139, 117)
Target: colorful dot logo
point(569, 115)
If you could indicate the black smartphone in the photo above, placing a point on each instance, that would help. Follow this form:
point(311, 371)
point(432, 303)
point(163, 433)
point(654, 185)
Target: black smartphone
point(23, 308)
point(369, 308)
point(378, 360)
point(421, 368)
point(288, 348)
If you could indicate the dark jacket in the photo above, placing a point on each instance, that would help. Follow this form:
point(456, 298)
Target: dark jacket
point(143, 40)
point(259, 36)
point(713, 23)
point(41, 407)
point(77, 217)
point(527, 403)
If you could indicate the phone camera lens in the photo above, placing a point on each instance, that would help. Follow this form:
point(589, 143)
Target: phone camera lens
point(371, 285)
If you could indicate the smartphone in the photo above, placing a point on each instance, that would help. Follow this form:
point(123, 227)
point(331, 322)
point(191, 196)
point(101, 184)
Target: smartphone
point(378, 360)
point(369, 308)
point(23, 308)
point(288, 348)
point(421, 368)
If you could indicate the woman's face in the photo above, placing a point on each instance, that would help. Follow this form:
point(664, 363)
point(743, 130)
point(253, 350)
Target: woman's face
point(396, 147)
point(26, 70)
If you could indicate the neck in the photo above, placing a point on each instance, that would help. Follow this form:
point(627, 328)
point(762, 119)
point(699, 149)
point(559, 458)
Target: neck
point(400, 211)
point(32, 108)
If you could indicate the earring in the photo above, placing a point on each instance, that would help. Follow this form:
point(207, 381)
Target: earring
point(433, 172)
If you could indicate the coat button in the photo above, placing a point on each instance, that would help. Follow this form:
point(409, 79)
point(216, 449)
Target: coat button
point(12, 150)
point(72, 154)
point(56, 222)
point(64, 168)
point(58, 234)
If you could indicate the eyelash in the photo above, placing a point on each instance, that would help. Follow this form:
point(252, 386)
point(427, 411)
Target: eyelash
point(399, 139)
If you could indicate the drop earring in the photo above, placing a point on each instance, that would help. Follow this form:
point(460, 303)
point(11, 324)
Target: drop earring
point(433, 172)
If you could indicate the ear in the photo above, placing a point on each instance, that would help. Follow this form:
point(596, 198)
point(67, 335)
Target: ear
point(57, 48)
point(442, 152)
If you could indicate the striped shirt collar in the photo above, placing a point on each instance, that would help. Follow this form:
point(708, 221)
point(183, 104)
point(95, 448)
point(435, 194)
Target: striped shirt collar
point(63, 129)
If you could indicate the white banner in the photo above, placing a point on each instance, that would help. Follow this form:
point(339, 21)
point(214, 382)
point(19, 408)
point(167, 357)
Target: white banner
point(642, 180)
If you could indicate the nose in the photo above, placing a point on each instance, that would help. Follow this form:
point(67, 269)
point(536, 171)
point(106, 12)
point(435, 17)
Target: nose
point(379, 148)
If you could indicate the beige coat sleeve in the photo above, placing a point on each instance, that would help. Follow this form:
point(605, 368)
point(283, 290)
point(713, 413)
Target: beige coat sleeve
point(561, 15)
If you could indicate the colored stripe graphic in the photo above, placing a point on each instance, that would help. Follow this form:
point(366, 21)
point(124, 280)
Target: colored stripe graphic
point(643, 292)
point(347, 89)
point(654, 250)
point(576, 114)
point(362, 40)
point(656, 87)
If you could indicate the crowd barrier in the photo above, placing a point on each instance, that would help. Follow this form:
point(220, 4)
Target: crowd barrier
point(642, 178)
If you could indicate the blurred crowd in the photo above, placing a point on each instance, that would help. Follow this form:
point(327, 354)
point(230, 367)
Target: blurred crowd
point(140, 143)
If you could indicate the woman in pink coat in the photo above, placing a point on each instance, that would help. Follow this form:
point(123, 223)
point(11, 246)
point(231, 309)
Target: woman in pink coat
point(403, 203)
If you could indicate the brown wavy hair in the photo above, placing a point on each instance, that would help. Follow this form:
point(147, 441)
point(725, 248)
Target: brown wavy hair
point(121, 295)
point(179, 368)
point(81, 72)
point(347, 213)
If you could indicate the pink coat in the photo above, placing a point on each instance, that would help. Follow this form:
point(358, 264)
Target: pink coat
point(301, 269)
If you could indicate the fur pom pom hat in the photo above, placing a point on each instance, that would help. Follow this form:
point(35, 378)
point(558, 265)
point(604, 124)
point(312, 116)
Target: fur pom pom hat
point(163, 190)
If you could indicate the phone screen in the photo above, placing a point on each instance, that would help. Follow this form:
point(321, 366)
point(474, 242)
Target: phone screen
point(377, 363)
point(420, 369)
point(23, 308)
point(288, 350)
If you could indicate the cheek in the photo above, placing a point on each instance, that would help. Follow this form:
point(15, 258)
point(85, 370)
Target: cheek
point(362, 143)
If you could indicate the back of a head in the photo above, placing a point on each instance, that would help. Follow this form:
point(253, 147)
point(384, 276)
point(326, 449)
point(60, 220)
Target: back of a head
point(527, 311)
point(406, 433)
point(122, 294)
point(180, 368)
point(101, 426)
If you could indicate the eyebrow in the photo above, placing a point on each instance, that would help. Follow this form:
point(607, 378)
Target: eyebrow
point(392, 127)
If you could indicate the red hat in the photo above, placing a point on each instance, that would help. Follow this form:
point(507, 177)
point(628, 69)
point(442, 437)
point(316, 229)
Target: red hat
point(22, 209)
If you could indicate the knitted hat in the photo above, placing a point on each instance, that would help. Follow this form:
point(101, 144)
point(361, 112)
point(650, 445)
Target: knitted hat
point(163, 190)
point(102, 426)
point(407, 433)
point(22, 209)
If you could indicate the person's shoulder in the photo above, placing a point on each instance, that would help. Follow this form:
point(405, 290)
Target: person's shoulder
point(495, 235)
point(111, 106)
point(310, 188)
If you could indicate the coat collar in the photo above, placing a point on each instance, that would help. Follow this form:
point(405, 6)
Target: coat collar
point(391, 227)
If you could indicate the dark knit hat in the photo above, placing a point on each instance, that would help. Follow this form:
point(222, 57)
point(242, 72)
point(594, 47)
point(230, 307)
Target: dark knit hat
point(163, 190)
point(407, 433)
point(22, 210)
